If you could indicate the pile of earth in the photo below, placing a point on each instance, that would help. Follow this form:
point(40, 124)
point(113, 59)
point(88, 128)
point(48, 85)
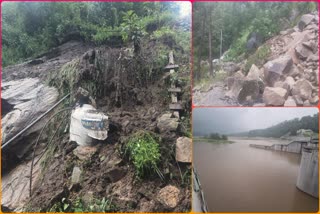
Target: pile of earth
point(289, 76)
point(134, 101)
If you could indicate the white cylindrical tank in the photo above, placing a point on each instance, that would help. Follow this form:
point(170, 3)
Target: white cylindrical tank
point(88, 124)
point(308, 172)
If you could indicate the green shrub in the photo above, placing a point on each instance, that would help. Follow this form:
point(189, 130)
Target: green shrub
point(143, 150)
point(95, 205)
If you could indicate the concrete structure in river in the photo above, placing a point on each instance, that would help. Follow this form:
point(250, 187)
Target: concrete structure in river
point(308, 176)
point(309, 172)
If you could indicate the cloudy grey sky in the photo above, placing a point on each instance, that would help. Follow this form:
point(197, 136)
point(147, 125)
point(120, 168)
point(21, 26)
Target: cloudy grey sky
point(235, 120)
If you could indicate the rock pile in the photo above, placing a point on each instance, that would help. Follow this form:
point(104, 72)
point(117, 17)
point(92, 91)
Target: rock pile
point(289, 77)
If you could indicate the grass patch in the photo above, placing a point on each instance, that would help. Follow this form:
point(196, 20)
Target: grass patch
point(143, 150)
point(78, 205)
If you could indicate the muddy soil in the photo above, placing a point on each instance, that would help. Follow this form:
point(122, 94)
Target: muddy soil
point(108, 173)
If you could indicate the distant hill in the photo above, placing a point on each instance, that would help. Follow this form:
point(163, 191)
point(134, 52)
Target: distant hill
point(288, 126)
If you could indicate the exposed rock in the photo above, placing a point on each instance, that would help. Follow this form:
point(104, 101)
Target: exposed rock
point(249, 92)
point(169, 196)
point(254, 73)
point(235, 89)
point(294, 71)
point(230, 67)
point(298, 100)
point(230, 81)
point(76, 175)
point(303, 89)
point(259, 105)
point(314, 100)
point(255, 40)
point(167, 123)
point(310, 45)
point(116, 174)
point(147, 206)
point(313, 58)
point(305, 20)
point(184, 149)
point(290, 102)
point(281, 84)
point(85, 152)
point(28, 99)
point(238, 75)
point(303, 52)
point(274, 96)
point(306, 103)
point(274, 69)
point(290, 82)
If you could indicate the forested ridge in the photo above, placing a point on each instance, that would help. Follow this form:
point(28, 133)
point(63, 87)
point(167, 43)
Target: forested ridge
point(227, 25)
point(285, 127)
point(30, 29)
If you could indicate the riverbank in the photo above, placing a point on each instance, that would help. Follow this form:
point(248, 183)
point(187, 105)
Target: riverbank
point(209, 140)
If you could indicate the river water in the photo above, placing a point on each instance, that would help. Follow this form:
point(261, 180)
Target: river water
point(236, 177)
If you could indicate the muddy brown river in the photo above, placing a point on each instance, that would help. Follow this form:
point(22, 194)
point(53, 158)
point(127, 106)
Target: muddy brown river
point(236, 177)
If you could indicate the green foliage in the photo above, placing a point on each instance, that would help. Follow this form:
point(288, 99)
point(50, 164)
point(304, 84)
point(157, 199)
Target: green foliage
point(258, 58)
point(32, 28)
point(95, 205)
point(143, 150)
point(290, 126)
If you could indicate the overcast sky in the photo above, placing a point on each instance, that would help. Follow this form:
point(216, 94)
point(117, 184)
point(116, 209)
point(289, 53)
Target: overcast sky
point(235, 120)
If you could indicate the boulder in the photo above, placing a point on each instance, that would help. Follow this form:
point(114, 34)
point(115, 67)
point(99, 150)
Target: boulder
point(254, 73)
point(313, 58)
point(167, 123)
point(254, 41)
point(314, 100)
point(85, 152)
point(274, 69)
point(274, 96)
point(310, 45)
point(303, 89)
point(230, 67)
point(306, 103)
point(238, 75)
point(294, 71)
point(25, 99)
point(169, 196)
point(76, 175)
point(290, 82)
point(305, 20)
point(303, 52)
point(298, 100)
point(290, 102)
point(235, 89)
point(249, 92)
point(230, 81)
point(184, 149)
